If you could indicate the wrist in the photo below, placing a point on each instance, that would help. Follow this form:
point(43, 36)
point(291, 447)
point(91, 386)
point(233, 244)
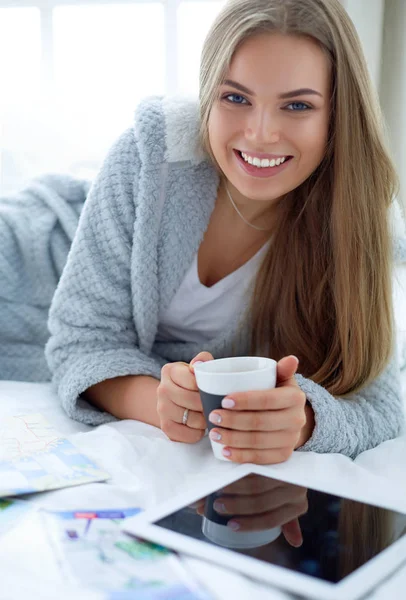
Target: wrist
point(308, 427)
point(127, 397)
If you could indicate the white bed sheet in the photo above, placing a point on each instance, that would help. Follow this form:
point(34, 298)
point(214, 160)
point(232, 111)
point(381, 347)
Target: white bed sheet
point(146, 466)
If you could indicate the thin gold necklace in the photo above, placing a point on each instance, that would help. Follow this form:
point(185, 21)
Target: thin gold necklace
point(238, 212)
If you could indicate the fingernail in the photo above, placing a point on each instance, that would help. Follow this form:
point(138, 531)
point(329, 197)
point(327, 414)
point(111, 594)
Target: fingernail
point(227, 403)
point(295, 357)
point(233, 525)
point(214, 418)
point(226, 452)
point(219, 507)
point(215, 436)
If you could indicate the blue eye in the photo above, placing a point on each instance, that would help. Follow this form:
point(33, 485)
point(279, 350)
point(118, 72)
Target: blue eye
point(237, 99)
point(298, 107)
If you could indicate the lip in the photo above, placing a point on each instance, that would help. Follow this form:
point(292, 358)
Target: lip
point(262, 155)
point(263, 172)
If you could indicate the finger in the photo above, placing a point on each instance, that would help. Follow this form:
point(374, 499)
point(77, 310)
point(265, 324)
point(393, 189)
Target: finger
point(285, 371)
point(181, 433)
point(293, 533)
point(275, 518)
point(274, 399)
point(290, 419)
point(182, 376)
point(271, 456)
point(255, 439)
point(170, 411)
point(195, 420)
point(201, 357)
point(170, 392)
point(266, 502)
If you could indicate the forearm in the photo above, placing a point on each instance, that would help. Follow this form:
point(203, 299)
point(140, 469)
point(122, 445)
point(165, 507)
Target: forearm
point(128, 397)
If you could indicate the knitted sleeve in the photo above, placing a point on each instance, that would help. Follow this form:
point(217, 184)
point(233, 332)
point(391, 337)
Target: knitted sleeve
point(359, 422)
point(93, 337)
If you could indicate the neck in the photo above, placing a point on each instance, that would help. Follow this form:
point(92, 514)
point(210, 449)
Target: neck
point(258, 213)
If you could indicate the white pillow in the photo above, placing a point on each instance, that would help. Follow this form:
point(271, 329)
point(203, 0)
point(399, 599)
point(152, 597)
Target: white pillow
point(399, 306)
point(397, 217)
point(399, 284)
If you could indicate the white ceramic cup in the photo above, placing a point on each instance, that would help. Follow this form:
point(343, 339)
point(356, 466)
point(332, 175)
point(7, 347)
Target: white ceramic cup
point(219, 378)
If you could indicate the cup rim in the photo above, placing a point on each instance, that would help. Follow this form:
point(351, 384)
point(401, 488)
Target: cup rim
point(204, 366)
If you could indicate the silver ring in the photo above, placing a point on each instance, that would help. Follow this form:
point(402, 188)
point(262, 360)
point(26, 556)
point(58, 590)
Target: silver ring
point(185, 416)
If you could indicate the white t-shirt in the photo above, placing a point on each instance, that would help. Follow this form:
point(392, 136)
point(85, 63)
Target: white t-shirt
point(198, 313)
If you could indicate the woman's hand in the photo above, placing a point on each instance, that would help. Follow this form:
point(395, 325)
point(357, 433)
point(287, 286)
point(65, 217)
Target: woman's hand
point(177, 392)
point(264, 427)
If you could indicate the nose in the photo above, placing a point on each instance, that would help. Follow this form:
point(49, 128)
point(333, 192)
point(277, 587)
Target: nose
point(262, 127)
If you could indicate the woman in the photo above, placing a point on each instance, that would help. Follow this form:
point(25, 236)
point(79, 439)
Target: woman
point(254, 223)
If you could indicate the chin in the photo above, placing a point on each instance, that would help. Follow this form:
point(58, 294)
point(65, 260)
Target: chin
point(258, 191)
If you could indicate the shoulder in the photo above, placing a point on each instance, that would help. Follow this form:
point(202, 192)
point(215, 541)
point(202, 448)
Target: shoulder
point(167, 128)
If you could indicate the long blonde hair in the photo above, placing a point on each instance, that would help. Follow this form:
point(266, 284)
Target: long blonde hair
point(323, 292)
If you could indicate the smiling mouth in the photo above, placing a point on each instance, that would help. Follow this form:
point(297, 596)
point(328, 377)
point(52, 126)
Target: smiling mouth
point(262, 167)
point(263, 163)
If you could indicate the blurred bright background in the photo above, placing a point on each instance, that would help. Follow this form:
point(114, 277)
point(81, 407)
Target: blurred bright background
point(72, 73)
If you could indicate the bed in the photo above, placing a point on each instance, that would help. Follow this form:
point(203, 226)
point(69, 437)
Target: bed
point(145, 467)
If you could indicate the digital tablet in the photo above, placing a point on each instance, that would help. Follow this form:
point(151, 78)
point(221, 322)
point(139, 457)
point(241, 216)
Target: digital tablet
point(244, 522)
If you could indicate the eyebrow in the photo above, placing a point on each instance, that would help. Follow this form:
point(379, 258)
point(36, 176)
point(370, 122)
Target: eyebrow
point(284, 96)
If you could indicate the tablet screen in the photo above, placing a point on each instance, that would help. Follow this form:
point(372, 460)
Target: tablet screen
point(259, 517)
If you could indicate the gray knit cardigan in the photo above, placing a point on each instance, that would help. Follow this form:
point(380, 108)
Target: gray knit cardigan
point(142, 223)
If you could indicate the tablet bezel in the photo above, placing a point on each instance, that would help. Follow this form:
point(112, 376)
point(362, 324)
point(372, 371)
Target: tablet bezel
point(351, 587)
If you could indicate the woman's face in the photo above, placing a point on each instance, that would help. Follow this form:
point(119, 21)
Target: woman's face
point(273, 107)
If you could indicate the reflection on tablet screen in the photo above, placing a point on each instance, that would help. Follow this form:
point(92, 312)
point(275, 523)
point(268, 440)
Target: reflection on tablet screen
point(339, 535)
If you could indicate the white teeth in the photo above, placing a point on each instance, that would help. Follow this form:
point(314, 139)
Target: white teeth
point(261, 163)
